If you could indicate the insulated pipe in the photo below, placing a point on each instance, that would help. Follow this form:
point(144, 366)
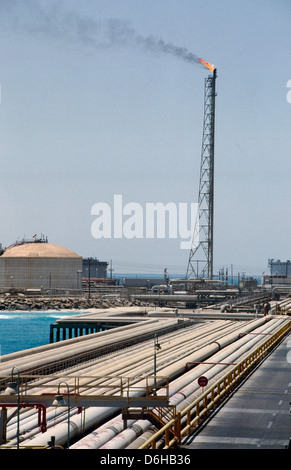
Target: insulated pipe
point(95, 439)
point(192, 391)
point(72, 341)
point(86, 347)
point(188, 394)
point(145, 355)
point(104, 434)
point(128, 435)
point(149, 354)
point(87, 340)
point(132, 360)
point(232, 353)
point(89, 409)
point(74, 348)
point(34, 430)
point(92, 415)
point(224, 355)
point(182, 395)
point(86, 441)
point(108, 371)
point(142, 439)
point(112, 429)
point(209, 350)
point(183, 362)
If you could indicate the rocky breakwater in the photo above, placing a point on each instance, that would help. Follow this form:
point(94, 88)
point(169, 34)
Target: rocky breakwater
point(23, 302)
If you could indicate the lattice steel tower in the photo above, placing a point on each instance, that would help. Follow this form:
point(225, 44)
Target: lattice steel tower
point(200, 262)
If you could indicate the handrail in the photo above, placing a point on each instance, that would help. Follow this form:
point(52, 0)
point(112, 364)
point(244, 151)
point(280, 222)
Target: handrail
point(190, 417)
point(87, 390)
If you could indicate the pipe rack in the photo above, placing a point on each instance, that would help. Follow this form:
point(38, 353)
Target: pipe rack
point(195, 342)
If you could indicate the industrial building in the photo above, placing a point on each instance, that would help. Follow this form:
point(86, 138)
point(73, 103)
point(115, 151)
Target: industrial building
point(280, 268)
point(280, 274)
point(93, 268)
point(36, 265)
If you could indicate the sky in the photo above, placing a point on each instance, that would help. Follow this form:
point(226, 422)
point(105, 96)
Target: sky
point(105, 97)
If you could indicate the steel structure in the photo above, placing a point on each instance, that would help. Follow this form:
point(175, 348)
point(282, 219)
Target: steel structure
point(101, 425)
point(200, 263)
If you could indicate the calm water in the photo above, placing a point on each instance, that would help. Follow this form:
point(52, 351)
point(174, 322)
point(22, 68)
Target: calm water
point(24, 330)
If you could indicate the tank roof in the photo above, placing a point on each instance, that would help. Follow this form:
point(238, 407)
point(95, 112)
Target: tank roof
point(39, 250)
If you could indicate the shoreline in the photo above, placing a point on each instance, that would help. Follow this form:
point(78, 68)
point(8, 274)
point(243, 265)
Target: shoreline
point(22, 303)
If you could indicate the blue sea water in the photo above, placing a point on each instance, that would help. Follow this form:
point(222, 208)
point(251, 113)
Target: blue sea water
point(24, 330)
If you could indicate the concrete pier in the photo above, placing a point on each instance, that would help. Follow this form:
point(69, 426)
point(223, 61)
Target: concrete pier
point(66, 330)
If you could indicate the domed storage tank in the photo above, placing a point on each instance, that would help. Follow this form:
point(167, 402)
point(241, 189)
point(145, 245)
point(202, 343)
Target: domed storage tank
point(40, 266)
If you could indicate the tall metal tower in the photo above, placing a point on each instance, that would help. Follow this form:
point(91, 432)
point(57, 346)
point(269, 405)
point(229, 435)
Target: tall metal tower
point(200, 263)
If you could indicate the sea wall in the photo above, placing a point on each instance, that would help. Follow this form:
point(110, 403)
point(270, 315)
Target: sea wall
point(23, 302)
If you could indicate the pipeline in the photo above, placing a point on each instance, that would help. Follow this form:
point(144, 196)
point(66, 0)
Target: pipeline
point(95, 416)
point(132, 359)
point(88, 441)
point(31, 429)
point(186, 395)
point(109, 367)
point(128, 435)
point(71, 351)
point(206, 329)
point(142, 439)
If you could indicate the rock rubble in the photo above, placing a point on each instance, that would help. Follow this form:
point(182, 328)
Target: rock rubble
point(22, 302)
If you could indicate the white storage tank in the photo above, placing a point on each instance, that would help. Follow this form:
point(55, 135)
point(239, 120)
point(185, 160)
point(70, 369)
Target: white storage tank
point(40, 266)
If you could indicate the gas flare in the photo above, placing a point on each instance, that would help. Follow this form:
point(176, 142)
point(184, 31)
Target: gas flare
point(211, 67)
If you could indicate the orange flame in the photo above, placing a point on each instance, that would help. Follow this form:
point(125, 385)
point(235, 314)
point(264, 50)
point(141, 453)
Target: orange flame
point(209, 66)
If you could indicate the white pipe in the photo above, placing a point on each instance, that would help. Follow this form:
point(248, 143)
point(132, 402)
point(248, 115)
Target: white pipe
point(85, 441)
point(180, 396)
point(189, 393)
point(128, 435)
point(86, 371)
point(142, 439)
point(92, 415)
point(66, 348)
point(34, 431)
point(103, 436)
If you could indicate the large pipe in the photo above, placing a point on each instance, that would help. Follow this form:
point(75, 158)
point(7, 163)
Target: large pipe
point(128, 435)
point(188, 394)
point(75, 424)
point(62, 352)
point(174, 387)
point(128, 360)
point(106, 371)
point(97, 415)
point(141, 439)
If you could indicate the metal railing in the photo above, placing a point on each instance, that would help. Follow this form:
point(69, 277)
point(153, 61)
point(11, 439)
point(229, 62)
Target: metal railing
point(81, 392)
point(187, 420)
point(90, 390)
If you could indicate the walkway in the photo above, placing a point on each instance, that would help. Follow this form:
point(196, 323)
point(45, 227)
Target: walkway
point(257, 414)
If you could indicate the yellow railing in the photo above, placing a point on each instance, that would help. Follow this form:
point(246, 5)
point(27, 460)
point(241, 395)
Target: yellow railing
point(185, 421)
point(115, 385)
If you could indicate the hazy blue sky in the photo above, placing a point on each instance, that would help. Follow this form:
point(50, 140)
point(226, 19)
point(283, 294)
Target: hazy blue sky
point(87, 113)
